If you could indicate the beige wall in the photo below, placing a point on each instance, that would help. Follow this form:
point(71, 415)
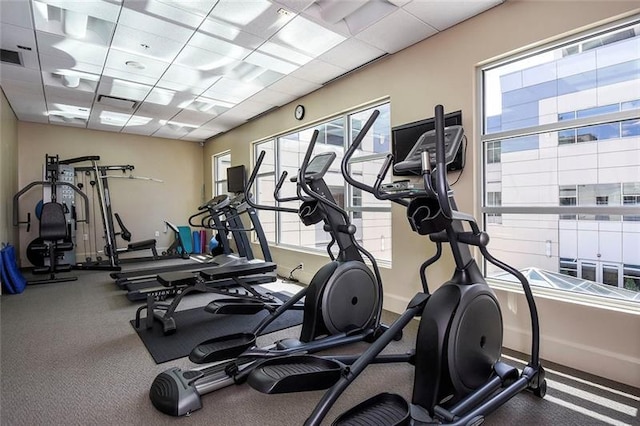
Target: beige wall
point(142, 204)
point(8, 169)
point(442, 69)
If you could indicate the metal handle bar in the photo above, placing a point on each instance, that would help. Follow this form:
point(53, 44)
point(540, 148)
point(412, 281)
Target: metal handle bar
point(247, 192)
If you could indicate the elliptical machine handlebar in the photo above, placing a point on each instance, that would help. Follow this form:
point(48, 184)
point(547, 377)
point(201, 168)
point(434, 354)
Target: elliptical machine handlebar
point(302, 182)
point(251, 181)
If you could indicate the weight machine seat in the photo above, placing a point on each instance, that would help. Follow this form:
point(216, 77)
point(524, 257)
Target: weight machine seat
point(53, 224)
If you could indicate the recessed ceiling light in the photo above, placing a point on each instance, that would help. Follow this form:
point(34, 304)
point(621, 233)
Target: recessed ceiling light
point(135, 64)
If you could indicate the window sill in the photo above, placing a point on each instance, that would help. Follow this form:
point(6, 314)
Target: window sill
point(382, 264)
point(566, 296)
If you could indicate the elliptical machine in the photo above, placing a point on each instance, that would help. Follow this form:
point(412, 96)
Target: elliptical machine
point(343, 302)
point(459, 378)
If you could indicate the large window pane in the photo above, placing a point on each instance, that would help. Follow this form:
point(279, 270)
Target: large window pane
point(584, 89)
point(286, 153)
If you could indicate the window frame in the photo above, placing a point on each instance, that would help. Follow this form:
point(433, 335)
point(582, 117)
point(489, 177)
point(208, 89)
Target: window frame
point(215, 166)
point(620, 117)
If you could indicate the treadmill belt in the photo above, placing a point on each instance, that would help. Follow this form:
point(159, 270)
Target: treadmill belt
point(195, 326)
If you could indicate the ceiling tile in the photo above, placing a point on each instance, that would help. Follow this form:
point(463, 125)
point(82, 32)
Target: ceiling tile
point(204, 60)
point(258, 17)
point(443, 14)
point(217, 45)
point(231, 90)
point(171, 132)
point(124, 75)
point(226, 121)
point(271, 63)
point(33, 118)
point(74, 19)
point(196, 7)
point(161, 112)
point(187, 79)
point(145, 44)
point(202, 134)
point(194, 118)
point(18, 73)
point(106, 10)
point(66, 80)
point(107, 119)
point(230, 32)
point(67, 121)
point(16, 12)
point(12, 36)
point(166, 97)
point(318, 71)
point(141, 129)
point(383, 34)
point(61, 95)
point(25, 98)
point(351, 53)
point(51, 63)
point(160, 19)
point(272, 97)
point(295, 6)
point(294, 86)
point(349, 17)
point(73, 50)
point(307, 37)
point(135, 64)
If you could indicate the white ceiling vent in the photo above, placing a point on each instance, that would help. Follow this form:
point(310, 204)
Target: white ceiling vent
point(115, 102)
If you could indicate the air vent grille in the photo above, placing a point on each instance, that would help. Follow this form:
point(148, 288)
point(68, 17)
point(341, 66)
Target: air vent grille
point(11, 57)
point(121, 103)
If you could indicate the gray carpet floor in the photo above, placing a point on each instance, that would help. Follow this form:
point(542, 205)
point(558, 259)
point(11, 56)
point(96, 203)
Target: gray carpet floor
point(70, 357)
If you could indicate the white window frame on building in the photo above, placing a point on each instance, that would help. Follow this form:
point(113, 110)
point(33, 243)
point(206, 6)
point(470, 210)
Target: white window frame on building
point(220, 162)
point(336, 134)
point(608, 205)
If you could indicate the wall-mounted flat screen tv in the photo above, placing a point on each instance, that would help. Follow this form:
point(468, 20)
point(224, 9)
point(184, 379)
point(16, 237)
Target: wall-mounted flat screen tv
point(405, 136)
point(236, 179)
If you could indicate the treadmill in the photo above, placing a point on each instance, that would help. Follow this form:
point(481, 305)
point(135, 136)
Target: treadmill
point(165, 283)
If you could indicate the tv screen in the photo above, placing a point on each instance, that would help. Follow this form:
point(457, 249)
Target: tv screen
point(404, 137)
point(236, 179)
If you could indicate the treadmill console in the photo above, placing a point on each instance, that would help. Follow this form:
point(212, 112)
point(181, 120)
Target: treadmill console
point(427, 142)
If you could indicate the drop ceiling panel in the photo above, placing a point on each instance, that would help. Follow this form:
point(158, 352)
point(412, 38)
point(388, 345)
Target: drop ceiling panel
point(15, 12)
point(67, 23)
point(230, 90)
point(351, 53)
point(217, 45)
point(25, 100)
point(204, 60)
point(67, 121)
point(86, 82)
point(18, 73)
point(126, 76)
point(385, 36)
point(142, 129)
point(171, 132)
point(12, 36)
point(166, 97)
point(257, 17)
point(134, 15)
point(443, 14)
point(294, 86)
point(202, 134)
point(272, 97)
point(160, 112)
point(107, 119)
point(231, 33)
point(61, 95)
point(307, 37)
point(70, 49)
point(130, 63)
point(196, 7)
point(318, 71)
point(51, 63)
point(106, 10)
point(145, 44)
point(228, 120)
point(193, 118)
point(33, 118)
point(187, 79)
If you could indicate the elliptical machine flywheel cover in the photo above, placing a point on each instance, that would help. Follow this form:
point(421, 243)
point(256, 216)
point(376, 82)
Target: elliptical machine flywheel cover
point(310, 213)
point(475, 341)
point(350, 298)
point(425, 216)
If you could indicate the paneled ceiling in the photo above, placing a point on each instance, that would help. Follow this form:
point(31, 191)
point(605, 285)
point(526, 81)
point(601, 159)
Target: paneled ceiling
point(190, 69)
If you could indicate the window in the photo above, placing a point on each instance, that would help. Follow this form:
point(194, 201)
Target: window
point(371, 217)
point(493, 152)
point(219, 165)
point(568, 178)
